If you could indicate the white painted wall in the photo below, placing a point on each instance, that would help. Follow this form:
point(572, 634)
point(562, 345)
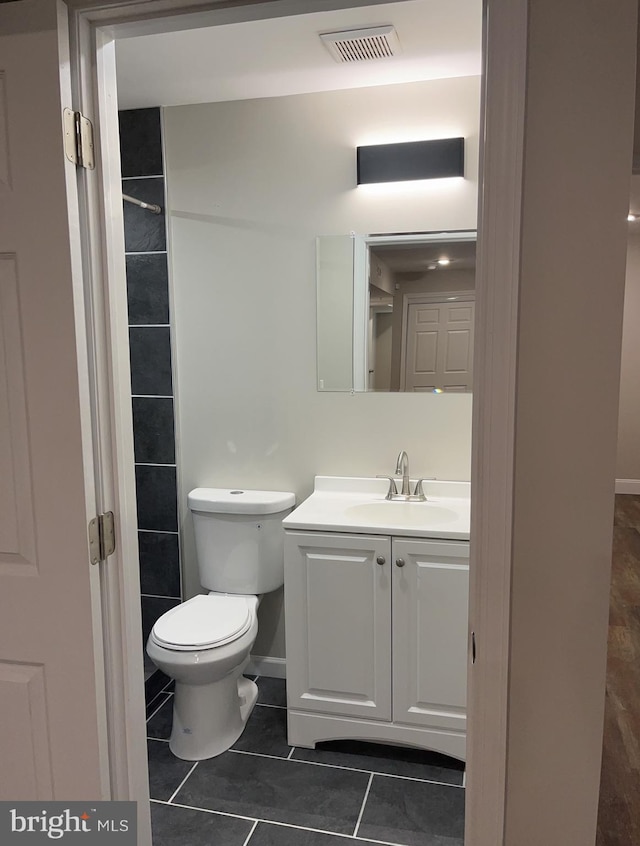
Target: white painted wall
point(334, 307)
point(628, 457)
point(251, 184)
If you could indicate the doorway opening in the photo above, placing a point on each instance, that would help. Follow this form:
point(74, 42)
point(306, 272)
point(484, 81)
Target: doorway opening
point(253, 173)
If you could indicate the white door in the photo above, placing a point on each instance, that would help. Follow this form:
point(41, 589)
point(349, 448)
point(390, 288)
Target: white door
point(439, 346)
point(338, 613)
point(50, 728)
point(430, 611)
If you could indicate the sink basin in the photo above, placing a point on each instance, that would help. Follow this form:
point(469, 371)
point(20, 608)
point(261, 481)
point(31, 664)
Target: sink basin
point(402, 514)
point(357, 504)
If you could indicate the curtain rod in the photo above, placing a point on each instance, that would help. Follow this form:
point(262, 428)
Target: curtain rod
point(152, 207)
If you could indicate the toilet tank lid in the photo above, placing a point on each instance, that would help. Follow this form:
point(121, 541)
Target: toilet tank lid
point(240, 501)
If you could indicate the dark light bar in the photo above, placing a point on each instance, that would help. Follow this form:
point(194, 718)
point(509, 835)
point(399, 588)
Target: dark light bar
point(409, 160)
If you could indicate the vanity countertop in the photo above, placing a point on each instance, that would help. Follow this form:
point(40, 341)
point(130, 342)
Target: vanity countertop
point(353, 504)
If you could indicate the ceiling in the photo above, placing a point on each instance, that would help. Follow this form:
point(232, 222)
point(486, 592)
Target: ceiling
point(420, 258)
point(283, 56)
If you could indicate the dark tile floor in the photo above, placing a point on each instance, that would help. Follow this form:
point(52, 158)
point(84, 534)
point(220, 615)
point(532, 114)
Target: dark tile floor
point(263, 792)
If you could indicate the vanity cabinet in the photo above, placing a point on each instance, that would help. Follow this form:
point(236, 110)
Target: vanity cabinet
point(338, 624)
point(376, 635)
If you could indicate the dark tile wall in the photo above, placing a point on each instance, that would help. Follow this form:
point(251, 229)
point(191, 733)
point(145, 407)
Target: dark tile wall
point(151, 379)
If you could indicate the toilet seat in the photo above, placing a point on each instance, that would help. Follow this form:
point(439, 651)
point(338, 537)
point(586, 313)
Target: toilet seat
point(204, 622)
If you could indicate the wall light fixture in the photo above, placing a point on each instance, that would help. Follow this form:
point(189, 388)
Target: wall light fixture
point(410, 160)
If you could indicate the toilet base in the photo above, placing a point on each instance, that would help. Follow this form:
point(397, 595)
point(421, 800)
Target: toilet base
point(208, 719)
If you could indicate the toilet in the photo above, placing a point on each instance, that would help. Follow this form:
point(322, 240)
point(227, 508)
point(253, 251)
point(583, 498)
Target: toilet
point(204, 643)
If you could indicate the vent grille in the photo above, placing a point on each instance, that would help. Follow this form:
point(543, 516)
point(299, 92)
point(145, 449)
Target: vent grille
point(362, 45)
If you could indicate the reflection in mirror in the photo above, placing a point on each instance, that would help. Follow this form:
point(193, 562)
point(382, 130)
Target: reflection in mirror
point(410, 299)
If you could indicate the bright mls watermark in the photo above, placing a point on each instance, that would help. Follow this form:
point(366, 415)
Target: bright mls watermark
point(36, 823)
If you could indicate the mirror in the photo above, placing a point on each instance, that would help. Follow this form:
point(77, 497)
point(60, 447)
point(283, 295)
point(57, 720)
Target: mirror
point(396, 312)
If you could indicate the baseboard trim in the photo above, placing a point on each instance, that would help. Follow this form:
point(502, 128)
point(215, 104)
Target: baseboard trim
point(260, 665)
point(628, 486)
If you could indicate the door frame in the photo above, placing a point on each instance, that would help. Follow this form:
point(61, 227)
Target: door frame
point(500, 259)
point(92, 68)
point(94, 25)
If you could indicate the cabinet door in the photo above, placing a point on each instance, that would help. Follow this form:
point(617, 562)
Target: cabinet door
point(338, 624)
point(430, 610)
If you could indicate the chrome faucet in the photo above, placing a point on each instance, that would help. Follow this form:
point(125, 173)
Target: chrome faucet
point(402, 469)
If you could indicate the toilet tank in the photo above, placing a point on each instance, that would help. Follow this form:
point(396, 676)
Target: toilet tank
point(239, 538)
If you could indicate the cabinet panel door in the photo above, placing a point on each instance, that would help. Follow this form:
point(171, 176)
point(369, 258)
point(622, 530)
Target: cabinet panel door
point(430, 610)
point(338, 615)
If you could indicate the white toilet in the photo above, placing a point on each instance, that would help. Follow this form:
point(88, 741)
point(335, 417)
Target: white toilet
point(204, 644)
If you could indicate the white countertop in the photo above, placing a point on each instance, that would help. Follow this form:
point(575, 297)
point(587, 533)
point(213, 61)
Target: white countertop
point(354, 504)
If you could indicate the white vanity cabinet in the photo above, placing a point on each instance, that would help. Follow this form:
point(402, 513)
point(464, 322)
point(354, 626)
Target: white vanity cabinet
point(430, 598)
point(338, 624)
point(376, 638)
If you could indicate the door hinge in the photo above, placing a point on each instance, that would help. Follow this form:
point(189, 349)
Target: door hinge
point(78, 139)
point(102, 537)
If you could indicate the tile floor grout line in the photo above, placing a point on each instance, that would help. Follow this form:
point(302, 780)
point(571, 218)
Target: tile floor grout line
point(330, 766)
point(364, 802)
point(342, 767)
point(258, 754)
point(181, 785)
point(331, 833)
point(267, 705)
point(150, 704)
point(204, 810)
point(250, 835)
point(274, 822)
point(373, 840)
point(162, 704)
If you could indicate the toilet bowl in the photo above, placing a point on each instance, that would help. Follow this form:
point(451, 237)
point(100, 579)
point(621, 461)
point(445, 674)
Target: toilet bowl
point(204, 644)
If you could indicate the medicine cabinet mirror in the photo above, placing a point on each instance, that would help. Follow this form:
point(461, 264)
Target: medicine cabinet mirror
point(396, 312)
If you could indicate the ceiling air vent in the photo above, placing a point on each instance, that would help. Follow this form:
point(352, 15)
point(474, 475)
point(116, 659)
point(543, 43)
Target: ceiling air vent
point(360, 45)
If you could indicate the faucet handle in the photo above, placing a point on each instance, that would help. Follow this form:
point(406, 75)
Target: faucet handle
point(393, 491)
point(418, 491)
